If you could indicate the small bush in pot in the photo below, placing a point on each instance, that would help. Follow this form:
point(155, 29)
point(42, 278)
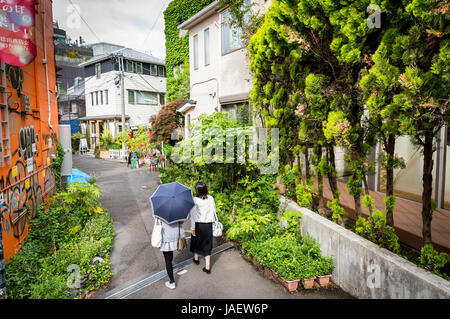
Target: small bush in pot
point(325, 266)
point(289, 273)
point(309, 273)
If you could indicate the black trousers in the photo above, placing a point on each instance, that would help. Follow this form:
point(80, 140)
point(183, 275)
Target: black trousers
point(168, 257)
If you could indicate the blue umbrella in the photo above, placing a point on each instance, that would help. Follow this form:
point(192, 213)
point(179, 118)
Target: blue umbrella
point(172, 202)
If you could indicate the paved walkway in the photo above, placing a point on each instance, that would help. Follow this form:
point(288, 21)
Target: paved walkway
point(139, 268)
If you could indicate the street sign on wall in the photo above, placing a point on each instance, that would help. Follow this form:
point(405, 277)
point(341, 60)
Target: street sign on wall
point(17, 28)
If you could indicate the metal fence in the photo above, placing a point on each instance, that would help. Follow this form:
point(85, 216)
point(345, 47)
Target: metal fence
point(118, 154)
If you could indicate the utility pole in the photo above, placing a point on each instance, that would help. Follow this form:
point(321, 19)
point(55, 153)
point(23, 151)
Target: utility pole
point(70, 106)
point(122, 84)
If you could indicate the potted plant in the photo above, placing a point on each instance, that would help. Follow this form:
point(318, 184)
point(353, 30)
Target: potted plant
point(309, 274)
point(256, 263)
point(325, 268)
point(288, 274)
point(268, 273)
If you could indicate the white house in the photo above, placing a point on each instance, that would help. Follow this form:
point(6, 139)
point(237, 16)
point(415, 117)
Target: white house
point(219, 68)
point(144, 91)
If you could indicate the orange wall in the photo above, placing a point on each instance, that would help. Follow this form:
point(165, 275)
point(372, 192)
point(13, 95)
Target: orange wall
point(19, 188)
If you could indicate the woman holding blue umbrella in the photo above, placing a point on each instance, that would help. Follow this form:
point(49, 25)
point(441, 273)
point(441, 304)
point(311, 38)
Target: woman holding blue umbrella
point(169, 243)
point(171, 205)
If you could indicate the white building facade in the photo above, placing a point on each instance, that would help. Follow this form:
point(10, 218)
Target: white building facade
point(144, 88)
point(219, 67)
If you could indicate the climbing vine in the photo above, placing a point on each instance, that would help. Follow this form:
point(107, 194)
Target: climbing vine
point(177, 48)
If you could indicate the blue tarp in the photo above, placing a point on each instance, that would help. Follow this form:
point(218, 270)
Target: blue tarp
point(77, 176)
point(74, 126)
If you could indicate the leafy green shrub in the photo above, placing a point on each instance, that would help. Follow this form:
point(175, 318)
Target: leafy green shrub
point(247, 226)
point(304, 196)
point(325, 266)
point(431, 260)
point(338, 213)
point(107, 142)
point(374, 228)
point(56, 165)
point(292, 218)
point(310, 247)
point(76, 141)
point(289, 179)
point(71, 229)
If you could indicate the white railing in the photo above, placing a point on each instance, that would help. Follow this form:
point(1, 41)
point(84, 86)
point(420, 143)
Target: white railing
point(118, 154)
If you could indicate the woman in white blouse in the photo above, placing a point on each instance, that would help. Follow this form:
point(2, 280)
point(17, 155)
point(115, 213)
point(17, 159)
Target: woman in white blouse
point(203, 215)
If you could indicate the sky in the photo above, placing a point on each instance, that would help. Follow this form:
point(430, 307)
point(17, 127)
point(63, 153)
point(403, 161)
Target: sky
point(136, 24)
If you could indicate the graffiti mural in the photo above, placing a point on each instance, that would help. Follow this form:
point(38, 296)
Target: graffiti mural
point(27, 143)
point(27, 178)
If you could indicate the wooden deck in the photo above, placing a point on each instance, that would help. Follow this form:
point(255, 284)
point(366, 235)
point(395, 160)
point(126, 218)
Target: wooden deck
point(407, 218)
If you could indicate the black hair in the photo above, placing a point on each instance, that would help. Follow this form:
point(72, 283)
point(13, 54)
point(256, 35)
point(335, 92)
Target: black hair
point(201, 190)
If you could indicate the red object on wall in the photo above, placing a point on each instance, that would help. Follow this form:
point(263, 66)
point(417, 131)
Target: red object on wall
point(17, 32)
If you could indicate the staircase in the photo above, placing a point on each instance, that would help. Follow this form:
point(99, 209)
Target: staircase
point(5, 146)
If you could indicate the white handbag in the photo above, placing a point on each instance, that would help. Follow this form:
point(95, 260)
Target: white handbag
point(217, 227)
point(157, 234)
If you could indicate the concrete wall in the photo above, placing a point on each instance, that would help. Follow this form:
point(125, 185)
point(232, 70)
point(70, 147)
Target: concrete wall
point(363, 269)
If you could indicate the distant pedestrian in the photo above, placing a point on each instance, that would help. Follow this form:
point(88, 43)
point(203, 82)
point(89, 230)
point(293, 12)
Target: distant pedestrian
point(203, 214)
point(170, 234)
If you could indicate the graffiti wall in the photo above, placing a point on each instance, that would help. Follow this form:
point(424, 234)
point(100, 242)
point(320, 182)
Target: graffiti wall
point(26, 177)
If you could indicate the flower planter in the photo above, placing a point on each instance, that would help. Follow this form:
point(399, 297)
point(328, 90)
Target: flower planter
point(308, 283)
point(280, 187)
point(104, 154)
point(276, 278)
point(291, 285)
point(323, 280)
point(246, 257)
point(268, 273)
point(256, 263)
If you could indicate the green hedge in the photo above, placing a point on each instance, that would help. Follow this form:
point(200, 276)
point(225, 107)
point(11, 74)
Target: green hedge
point(70, 231)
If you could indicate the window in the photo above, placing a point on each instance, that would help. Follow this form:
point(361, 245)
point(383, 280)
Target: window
point(153, 70)
point(106, 96)
point(161, 71)
point(96, 97)
point(98, 70)
point(92, 98)
point(74, 107)
point(207, 58)
point(131, 98)
point(146, 98)
point(231, 37)
point(162, 98)
point(77, 83)
point(177, 70)
point(138, 67)
point(101, 97)
point(196, 52)
point(129, 66)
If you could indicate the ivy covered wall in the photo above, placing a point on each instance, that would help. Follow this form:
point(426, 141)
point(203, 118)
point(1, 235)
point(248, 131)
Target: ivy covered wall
point(177, 49)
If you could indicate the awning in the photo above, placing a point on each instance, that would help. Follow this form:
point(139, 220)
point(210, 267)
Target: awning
point(234, 98)
point(103, 117)
point(186, 105)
